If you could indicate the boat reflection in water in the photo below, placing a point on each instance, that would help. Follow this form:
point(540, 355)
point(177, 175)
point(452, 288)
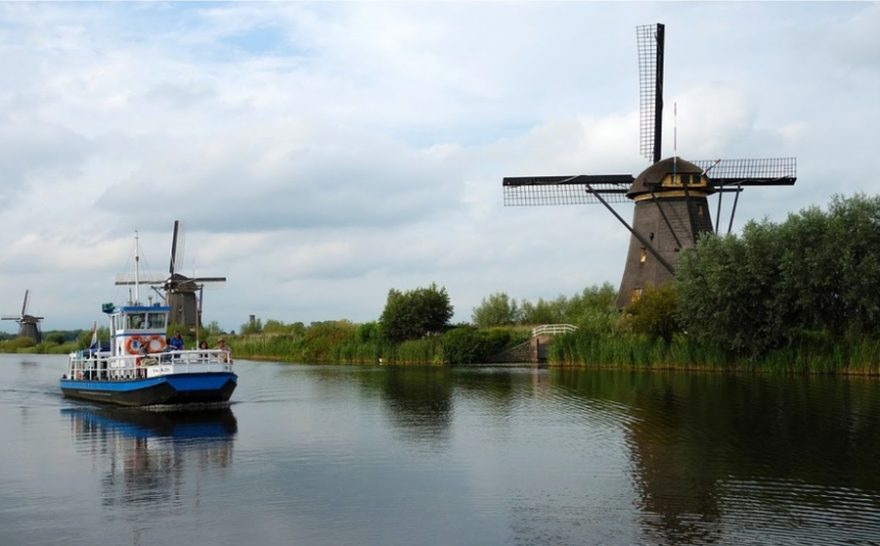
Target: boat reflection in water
point(154, 458)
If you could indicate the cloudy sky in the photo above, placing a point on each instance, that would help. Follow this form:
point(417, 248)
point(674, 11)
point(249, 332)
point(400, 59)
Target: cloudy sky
point(321, 154)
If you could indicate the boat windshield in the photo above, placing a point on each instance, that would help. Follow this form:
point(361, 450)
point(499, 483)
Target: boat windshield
point(138, 321)
point(156, 320)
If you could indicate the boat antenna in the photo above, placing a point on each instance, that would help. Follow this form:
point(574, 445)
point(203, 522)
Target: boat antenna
point(137, 259)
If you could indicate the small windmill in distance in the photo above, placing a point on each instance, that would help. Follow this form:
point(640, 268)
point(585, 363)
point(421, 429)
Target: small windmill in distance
point(29, 325)
point(670, 196)
point(183, 294)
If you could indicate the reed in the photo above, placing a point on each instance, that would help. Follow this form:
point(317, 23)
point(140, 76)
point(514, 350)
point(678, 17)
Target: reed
point(810, 353)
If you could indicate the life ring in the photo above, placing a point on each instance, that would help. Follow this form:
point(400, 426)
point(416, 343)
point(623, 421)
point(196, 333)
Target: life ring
point(133, 345)
point(156, 344)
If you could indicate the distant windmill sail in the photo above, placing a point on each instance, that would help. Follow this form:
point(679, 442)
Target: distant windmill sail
point(28, 325)
point(670, 196)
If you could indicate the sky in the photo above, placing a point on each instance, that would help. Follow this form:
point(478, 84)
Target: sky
point(320, 154)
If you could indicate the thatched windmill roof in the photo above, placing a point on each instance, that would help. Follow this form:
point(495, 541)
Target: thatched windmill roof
point(653, 176)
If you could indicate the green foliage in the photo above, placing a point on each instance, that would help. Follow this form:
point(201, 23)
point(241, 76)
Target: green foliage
point(55, 338)
point(17, 344)
point(251, 327)
point(415, 313)
point(367, 332)
point(496, 310)
point(771, 287)
point(655, 313)
point(593, 309)
point(544, 312)
point(84, 339)
point(469, 345)
point(212, 328)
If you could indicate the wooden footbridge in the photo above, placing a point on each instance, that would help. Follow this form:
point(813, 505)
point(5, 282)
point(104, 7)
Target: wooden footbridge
point(536, 349)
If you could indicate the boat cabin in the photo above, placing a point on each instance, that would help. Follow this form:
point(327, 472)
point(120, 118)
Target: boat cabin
point(137, 329)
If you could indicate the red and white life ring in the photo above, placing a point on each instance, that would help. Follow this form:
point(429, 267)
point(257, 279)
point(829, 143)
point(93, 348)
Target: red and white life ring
point(156, 344)
point(133, 345)
point(152, 344)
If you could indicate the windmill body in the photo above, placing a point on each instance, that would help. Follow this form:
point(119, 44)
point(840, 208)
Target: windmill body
point(181, 295)
point(670, 197)
point(28, 325)
point(670, 219)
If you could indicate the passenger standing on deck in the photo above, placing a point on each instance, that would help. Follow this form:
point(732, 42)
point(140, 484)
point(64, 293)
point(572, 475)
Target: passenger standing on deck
point(176, 342)
point(221, 344)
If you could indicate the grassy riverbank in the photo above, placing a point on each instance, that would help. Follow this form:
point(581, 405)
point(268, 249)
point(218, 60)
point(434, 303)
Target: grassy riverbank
point(343, 342)
point(809, 355)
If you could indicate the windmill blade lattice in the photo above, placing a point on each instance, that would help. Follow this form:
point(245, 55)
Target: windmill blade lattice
point(775, 171)
point(565, 190)
point(650, 39)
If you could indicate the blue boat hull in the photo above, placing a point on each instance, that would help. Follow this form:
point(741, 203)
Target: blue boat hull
point(190, 388)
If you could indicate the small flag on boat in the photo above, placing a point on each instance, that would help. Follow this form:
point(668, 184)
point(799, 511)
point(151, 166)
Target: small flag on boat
point(94, 344)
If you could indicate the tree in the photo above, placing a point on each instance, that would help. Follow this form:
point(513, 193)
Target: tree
point(544, 312)
point(251, 327)
point(655, 313)
point(778, 283)
point(415, 313)
point(496, 310)
point(56, 338)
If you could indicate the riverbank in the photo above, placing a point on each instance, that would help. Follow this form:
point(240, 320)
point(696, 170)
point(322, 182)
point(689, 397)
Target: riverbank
point(341, 342)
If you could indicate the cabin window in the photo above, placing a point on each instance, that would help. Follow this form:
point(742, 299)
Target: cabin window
point(136, 321)
point(635, 295)
point(643, 255)
point(157, 320)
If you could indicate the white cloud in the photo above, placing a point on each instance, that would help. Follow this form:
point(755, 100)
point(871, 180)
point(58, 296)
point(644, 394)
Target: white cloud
point(324, 153)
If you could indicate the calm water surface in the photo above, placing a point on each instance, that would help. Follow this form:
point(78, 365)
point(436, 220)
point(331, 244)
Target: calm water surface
point(335, 455)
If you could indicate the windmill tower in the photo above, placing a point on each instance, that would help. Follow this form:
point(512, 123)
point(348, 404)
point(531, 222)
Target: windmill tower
point(181, 293)
point(671, 196)
point(184, 294)
point(28, 325)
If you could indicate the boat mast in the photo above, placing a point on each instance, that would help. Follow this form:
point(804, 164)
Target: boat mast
point(136, 269)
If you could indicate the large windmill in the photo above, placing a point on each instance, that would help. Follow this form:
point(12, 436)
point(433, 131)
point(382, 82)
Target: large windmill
point(183, 294)
point(28, 325)
point(670, 196)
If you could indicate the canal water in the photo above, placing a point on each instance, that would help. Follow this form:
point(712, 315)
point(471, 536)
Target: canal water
point(335, 455)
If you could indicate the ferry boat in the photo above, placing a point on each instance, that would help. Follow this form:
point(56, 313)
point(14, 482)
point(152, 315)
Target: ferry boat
point(138, 369)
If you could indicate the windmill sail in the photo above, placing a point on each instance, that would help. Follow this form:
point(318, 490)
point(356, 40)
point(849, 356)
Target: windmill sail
point(650, 39)
point(565, 190)
point(670, 197)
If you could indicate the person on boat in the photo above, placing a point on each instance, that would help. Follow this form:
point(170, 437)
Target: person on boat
point(221, 344)
point(176, 342)
point(203, 345)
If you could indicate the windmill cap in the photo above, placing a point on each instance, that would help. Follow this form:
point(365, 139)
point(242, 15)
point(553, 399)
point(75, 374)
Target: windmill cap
point(653, 176)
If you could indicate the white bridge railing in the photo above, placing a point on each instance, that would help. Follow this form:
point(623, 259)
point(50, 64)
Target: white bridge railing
point(553, 329)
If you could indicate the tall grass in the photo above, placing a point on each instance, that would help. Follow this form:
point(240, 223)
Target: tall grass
point(808, 354)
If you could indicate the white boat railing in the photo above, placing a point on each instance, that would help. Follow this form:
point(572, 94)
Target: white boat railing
point(103, 366)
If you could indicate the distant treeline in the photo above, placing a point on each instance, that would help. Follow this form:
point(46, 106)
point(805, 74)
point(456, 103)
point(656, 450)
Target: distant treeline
point(801, 295)
point(53, 342)
point(798, 296)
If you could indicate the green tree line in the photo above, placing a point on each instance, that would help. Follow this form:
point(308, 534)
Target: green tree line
point(803, 294)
